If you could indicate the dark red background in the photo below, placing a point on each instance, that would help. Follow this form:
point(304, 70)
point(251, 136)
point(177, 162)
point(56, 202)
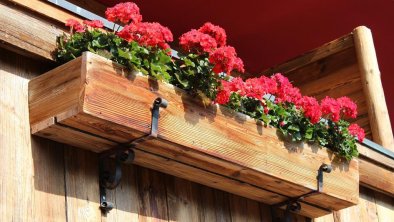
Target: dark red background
point(266, 32)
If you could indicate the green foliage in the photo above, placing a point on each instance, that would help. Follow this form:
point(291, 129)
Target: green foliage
point(150, 61)
point(194, 73)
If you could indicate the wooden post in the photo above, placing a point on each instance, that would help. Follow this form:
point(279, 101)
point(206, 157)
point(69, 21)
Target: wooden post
point(370, 76)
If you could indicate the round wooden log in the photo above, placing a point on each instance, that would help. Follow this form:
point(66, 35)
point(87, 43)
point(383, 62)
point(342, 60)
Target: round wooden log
point(370, 76)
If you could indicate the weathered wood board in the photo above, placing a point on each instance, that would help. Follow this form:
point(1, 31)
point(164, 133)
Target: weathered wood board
point(90, 103)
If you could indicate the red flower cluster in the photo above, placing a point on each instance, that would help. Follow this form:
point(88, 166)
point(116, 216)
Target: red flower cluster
point(124, 13)
point(280, 87)
point(348, 107)
point(223, 97)
point(215, 32)
point(331, 108)
point(311, 108)
point(258, 87)
point(94, 23)
point(75, 25)
point(147, 34)
point(255, 88)
point(356, 130)
point(334, 107)
point(197, 42)
point(206, 40)
point(286, 91)
point(225, 60)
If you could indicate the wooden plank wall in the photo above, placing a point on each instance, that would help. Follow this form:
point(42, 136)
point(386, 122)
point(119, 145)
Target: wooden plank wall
point(41, 180)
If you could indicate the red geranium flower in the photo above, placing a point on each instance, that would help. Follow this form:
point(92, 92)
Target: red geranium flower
point(75, 25)
point(124, 13)
point(197, 42)
point(147, 34)
point(225, 60)
point(356, 130)
point(258, 87)
point(234, 85)
point(348, 107)
point(331, 107)
point(216, 32)
point(285, 92)
point(223, 97)
point(311, 108)
point(94, 23)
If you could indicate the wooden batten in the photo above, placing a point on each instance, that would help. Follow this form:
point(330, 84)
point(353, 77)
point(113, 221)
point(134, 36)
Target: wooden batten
point(220, 147)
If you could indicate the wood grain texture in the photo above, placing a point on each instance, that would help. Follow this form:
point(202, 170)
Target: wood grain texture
point(370, 76)
point(182, 200)
point(125, 197)
point(376, 177)
point(46, 90)
point(375, 157)
point(324, 51)
point(47, 9)
point(373, 206)
point(243, 209)
point(384, 207)
point(367, 205)
point(81, 184)
point(31, 178)
point(34, 36)
point(72, 137)
point(151, 196)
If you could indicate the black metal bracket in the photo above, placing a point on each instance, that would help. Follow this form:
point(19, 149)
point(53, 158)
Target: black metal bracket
point(123, 153)
point(294, 205)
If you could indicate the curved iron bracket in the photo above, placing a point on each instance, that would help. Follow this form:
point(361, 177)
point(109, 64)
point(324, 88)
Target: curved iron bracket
point(293, 205)
point(110, 179)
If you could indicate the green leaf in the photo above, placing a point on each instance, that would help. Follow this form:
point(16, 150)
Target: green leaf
point(124, 54)
point(189, 62)
point(294, 128)
point(309, 133)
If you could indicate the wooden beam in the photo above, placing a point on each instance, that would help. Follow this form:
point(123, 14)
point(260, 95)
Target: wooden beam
point(370, 76)
point(376, 177)
point(312, 56)
point(47, 9)
point(375, 157)
point(34, 36)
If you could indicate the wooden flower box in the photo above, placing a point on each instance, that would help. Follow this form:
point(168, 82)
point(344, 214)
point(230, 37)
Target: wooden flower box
point(93, 103)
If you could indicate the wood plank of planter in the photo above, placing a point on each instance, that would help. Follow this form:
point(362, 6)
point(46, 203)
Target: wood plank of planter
point(61, 133)
point(211, 135)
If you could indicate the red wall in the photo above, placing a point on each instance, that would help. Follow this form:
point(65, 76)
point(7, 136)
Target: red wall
point(266, 32)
